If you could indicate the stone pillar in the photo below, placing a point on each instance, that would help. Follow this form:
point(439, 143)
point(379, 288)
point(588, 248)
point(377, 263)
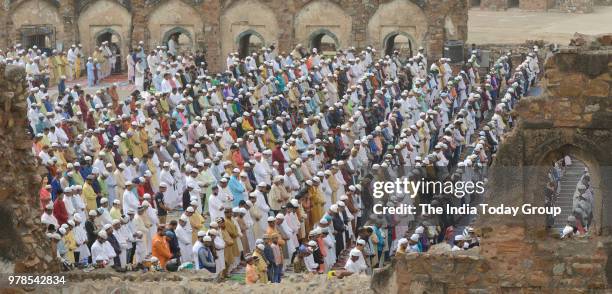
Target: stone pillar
point(24, 246)
point(4, 22)
point(139, 24)
point(212, 35)
point(68, 13)
point(359, 12)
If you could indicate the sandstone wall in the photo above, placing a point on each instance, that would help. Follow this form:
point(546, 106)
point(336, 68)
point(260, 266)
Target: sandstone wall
point(215, 25)
point(23, 243)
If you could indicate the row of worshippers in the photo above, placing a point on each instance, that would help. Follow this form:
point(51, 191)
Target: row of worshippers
point(56, 67)
point(217, 149)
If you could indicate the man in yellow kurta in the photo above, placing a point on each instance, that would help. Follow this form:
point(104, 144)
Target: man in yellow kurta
point(227, 225)
point(261, 264)
point(70, 244)
point(134, 140)
point(196, 221)
point(317, 201)
point(89, 194)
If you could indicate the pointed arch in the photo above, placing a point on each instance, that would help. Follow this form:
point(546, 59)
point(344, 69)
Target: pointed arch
point(397, 16)
point(323, 15)
point(248, 16)
point(175, 16)
point(104, 15)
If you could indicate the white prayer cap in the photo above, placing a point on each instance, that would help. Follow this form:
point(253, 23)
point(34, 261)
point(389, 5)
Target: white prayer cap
point(92, 213)
point(193, 202)
point(294, 202)
point(190, 209)
point(201, 234)
point(271, 218)
point(402, 241)
point(312, 243)
point(355, 252)
point(340, 203)
point(261, 246)
point(280, 216)
point(213, 232)
point(163, 184)
point(214, 224)
point(334, 208)
point(419, 230)
point(343, 197)
point(103, 200)
point(102, 234)
point(459, 238)
point(415, 237)
point(207, 239)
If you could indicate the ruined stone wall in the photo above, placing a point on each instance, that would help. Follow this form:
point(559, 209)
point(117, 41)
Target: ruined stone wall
point(518, 254)
point(577, 6)
point(23, 243)
point(216, 25)
point(573, 6)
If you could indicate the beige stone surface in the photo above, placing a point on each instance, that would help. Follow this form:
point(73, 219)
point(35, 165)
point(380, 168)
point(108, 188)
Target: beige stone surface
point(516, 26)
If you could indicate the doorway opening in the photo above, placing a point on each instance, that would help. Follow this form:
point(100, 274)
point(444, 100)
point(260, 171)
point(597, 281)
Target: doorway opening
point(570, 188)
point(249, 42)
point(400, 42)
point(513, 3)
point(178, 40)
point(114, 45)
point(325, 42)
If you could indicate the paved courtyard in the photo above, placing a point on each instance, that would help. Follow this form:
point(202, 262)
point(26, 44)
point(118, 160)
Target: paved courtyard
point(516, 26)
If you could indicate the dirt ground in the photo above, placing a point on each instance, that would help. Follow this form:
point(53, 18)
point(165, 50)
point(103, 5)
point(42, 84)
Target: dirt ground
point(191, 282)
point(516, 26)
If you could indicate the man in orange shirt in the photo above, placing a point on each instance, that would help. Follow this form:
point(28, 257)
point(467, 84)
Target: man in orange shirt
point(252, 276)
point(161, 248)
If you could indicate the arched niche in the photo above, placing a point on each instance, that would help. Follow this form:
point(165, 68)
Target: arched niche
point(248, 16)
point(171, 17)
point(395, 17)
point(323, 15)
point(104, 16)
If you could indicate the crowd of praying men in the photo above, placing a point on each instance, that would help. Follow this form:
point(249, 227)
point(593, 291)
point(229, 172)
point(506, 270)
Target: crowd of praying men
point(270, 164)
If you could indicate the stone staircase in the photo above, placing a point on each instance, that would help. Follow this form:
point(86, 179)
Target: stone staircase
point(570, 179)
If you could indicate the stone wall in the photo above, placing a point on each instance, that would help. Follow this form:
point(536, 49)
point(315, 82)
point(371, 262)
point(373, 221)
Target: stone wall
point(574, 6)
point(23, 243)
point(216, 25)
point(536, 5)
point(577, 6)
point(518, 254)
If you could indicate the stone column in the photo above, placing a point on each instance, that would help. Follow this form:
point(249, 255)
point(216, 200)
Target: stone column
point(139, 24)
point(212, 35)
point(24, 247)
point(4, 22)
point(68, 13)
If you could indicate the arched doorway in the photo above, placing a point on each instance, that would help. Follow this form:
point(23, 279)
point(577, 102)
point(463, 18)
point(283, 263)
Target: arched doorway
point(114, 43)
point(401, 42)
point(248, 42)
point(570, 188)
point(325, 42)
point(179, 38)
